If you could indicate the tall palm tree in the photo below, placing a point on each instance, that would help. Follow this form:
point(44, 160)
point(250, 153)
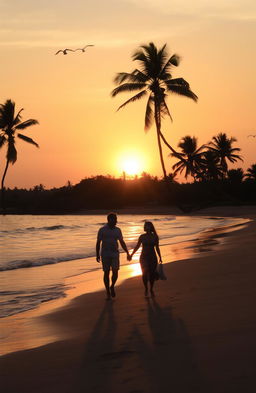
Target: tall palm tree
point(153, 79)
point(222, 146)
point(190, 157)
point(10, 124)
point(251, 172)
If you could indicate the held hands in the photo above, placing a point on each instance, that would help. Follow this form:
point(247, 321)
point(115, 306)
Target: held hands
point(129, 257)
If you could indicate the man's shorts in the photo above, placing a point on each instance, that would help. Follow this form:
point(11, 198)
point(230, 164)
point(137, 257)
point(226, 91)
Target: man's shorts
point(110, 263)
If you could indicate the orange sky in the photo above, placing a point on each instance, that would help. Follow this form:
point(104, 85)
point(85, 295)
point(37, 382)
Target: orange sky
point(80, 133)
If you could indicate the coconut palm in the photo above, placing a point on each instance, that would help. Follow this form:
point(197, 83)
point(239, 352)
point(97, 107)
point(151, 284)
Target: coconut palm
point(153, 79)
point(222, 146)
point(10, 124)
point(251, 172)
point(190, 157)
point(210, 166)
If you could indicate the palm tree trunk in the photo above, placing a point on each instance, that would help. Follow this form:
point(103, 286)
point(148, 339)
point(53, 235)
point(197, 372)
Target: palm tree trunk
point(168, 145)
point(2, 186)
point(158, 132)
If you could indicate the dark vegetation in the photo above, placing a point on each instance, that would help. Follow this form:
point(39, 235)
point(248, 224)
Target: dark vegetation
point(111, 193)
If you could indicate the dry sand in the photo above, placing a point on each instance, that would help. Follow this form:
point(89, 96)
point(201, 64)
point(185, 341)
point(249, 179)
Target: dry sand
point(197, 335)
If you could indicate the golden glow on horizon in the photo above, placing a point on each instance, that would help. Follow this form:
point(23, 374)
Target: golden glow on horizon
point(131, 163)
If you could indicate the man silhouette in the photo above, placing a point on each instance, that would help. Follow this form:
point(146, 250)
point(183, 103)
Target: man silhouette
point(107, 248)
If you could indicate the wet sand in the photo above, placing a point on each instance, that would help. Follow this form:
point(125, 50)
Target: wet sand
point(196, 335)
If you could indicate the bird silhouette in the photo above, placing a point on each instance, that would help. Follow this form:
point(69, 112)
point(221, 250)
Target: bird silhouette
point(64, 51)
point(83, 49)
point(253, 136)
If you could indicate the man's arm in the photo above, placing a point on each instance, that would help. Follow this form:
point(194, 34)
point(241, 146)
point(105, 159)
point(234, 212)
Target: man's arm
point(122, 242)
point(98, 250)
point(99, 238)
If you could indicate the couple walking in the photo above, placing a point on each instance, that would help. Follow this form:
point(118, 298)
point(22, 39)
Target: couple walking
point(107, 252)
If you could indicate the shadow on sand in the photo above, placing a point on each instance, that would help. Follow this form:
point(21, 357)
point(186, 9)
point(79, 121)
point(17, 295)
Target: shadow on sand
point(129, 356)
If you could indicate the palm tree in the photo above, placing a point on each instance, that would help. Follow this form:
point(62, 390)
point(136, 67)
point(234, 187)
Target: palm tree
point(251, 172)
point(190, 157)
point(222, 146)
point(154, 80)
point(10, 123)
point(211, 169)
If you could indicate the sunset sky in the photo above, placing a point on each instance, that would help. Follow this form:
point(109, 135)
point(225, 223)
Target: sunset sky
point(80, 133)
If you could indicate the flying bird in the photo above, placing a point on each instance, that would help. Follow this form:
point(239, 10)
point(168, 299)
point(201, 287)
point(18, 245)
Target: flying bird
point(64, 51)
point(253, 136)
point(83, 49)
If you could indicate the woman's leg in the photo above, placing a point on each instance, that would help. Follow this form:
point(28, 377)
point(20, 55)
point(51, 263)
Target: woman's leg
point(152, 281)
point(145, 282)
point(152, 278)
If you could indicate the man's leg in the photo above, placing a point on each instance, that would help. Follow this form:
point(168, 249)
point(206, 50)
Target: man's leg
point(106, 282)
point(113, 281)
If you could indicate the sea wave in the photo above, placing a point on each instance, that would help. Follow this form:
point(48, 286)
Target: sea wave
point(26, 263)
point(161, 219)
point(35, 229)
point(26, 300)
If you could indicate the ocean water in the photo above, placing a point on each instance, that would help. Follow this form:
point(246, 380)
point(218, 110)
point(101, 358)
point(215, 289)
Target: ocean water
point(39, 252)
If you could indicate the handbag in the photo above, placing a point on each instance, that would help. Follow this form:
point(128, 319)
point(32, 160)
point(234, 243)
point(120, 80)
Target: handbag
point(161, 273)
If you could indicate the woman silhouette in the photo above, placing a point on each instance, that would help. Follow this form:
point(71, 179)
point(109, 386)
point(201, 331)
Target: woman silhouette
point(148, 258)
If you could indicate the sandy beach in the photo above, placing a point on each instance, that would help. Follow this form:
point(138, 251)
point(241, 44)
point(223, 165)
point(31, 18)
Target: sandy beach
point(196, 335)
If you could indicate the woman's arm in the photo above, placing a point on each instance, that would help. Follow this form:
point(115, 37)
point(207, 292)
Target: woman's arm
point(136, 247)
point(158, 250)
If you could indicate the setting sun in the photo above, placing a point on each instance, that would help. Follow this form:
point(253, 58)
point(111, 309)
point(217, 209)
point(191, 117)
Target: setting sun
point(131, 164)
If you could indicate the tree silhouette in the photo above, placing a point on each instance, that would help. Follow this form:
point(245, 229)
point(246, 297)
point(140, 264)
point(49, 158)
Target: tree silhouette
point(251, 172)
point(222, 146)
point(190, 157)
point(210, 166)
point(10, 124)
point(153, 79)
point(235, 176)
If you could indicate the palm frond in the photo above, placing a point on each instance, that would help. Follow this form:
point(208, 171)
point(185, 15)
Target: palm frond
point(140, 75)
point(165, 110)
point(11, 152)
point(174, 60)
point(26, 123)
point(134, 98)
point(17, 118)
point(149, 114)
point(2, 140)
point(129, 77)
point(7, 113)
point(27, 139)
point(178, 82)
point(127, 87)
point(182, 90)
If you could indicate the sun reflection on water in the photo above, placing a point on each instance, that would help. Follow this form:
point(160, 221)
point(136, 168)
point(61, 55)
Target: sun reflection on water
point(135, 269)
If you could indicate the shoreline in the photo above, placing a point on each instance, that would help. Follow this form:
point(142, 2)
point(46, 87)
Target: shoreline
point(193, 310)
point(230, 210)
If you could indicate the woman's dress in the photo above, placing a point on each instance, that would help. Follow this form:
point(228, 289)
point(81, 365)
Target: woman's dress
point(148, 258)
